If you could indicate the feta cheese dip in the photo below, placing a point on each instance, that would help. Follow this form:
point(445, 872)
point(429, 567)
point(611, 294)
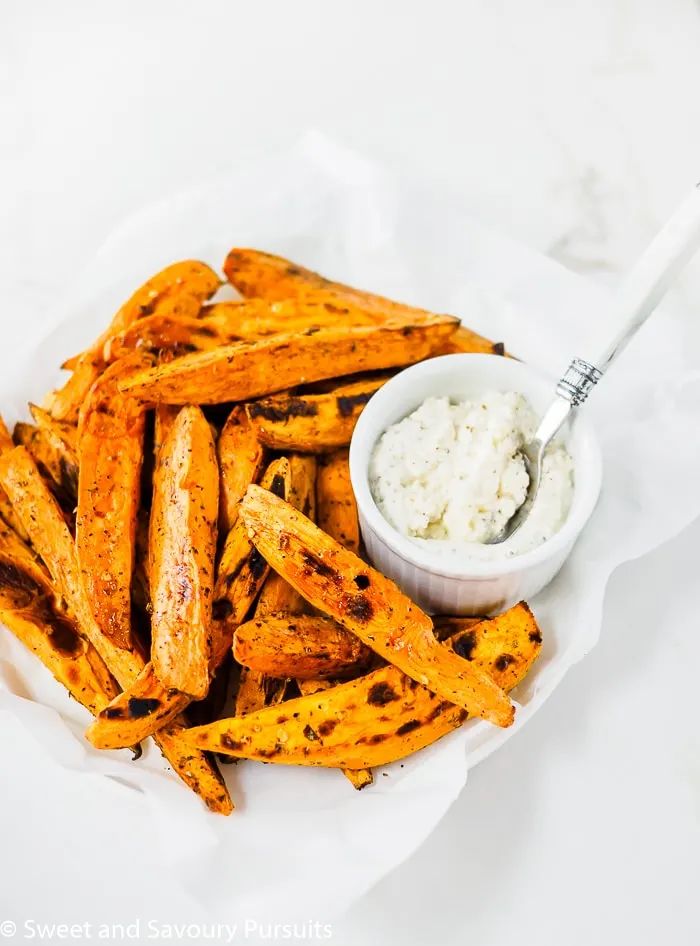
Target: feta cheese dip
point(450, 475)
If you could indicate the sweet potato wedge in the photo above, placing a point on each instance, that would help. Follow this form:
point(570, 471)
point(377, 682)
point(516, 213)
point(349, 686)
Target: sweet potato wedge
point(254, 273)
point(312, 423)
point(111, 435)
point(196, 769)
point(341, 585)
point(28, 607)
point(335, 501)
point(58, 464)
point(62, 432)
point(464, 340)
point(447, 626)
point(170, 334)
point(147, 704)
point(277, 594)
point(337, 515)
point(50, 537)
point(240, 457)
point(302, 646)
point(381, 717)
point(252, 369)
point(8, 516)
point(242, 571)
point(182, 546)
point(181, 288)
point(163, 420)
point(256, 690)
point(257, 274)
point(255, 318)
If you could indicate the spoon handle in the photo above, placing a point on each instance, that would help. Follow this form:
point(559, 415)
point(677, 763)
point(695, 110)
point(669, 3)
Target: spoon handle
point(640, 294)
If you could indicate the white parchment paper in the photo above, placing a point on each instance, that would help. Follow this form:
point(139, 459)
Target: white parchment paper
point(303, 843)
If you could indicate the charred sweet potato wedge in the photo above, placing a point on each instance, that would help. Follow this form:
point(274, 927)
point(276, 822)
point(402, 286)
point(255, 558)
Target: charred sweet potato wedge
point(170, 335)
point(29, 609)
point(446, 626)
point(252, 369)
point(196, 769)
point(367, 603)
point(257, 688)
point(302, 646)
point(240, 457)
point(465, 341)
point(254, 273)
point(337, 515)
point(110, 443)
point(335, 501)
point(381, 717)
point(53, 542)
point(182, 547)
point(277, 594)
point(242, 571)
point(257, 274)
point(143, 708)
point(312, 423)
point(180, 288)
point(57, 463)
point(147, 704)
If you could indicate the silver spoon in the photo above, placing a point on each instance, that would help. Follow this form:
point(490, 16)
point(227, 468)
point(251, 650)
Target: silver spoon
point(639, 295)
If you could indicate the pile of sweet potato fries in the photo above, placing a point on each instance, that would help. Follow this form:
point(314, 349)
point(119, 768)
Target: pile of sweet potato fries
point(179, 542)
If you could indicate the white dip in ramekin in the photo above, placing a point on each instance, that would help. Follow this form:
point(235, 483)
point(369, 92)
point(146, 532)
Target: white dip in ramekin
point(449, 474)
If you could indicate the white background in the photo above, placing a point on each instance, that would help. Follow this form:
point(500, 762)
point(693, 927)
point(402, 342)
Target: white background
point(572, 126)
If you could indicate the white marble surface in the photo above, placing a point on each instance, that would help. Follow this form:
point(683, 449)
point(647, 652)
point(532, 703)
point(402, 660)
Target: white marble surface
point(571, 126)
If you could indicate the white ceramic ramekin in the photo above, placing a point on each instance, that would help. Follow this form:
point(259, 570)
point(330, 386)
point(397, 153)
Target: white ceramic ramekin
point(468, 587)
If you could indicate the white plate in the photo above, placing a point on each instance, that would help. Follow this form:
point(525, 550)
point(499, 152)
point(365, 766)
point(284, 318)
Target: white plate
point(304, 839)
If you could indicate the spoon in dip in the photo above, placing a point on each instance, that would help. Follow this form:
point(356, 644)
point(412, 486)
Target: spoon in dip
point(640, 294)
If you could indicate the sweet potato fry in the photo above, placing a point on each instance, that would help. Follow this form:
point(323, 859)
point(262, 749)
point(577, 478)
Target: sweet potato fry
point(277, 594)
point(381, 717)
point(446, 626)
point(196, 769)
point(302, 646)
point(111, 433)
point(50, 537)
point(464, 340)
point(312, 423)
point(164, 418)
point(147, 704)
point(181, 287)
point(174, 335)
point(335, 501)
point(29, 609)
point(255, 318)
point(242, 571)
point(252, 369)
point(63, 433)
point(240, 459)
point(337, 515)
point(254, 273)
point(256, 690)
point(337, 582)
point(58, 464)
point(257, 274)
point(182, 546)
